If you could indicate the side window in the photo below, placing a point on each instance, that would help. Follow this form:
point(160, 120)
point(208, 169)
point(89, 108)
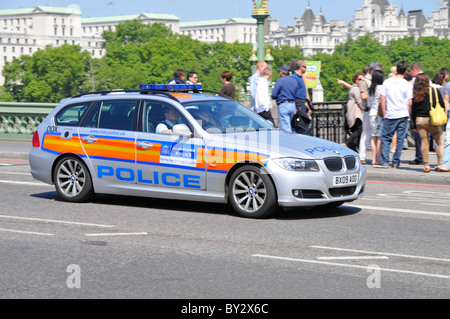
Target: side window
point(160, 118)
point(71, 115)
point(115, 115)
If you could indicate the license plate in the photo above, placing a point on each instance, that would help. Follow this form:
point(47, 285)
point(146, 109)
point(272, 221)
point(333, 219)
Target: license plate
point(345, 180)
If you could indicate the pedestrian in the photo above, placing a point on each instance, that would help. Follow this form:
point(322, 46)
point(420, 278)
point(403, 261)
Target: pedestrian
point(354, 114)
point(396, 101)
point(263, 104)
point(227, 89)
point(364, 86)
point(376, 120)
point(192, 78)
point(178, 77)
point(254, 80)
point(416, 69)
point(420, 115)
point(284, 93)
point(302, 119)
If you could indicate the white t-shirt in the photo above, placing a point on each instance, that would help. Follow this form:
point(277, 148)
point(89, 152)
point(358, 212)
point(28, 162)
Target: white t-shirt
point(398, 92)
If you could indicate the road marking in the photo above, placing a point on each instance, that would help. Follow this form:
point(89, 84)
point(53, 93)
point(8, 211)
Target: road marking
point(380, 253)
point(353, 258)
point(351, 266)
point(24, 183)
point(407, 184)
point(14, 173)
point(402, 210)
point(55, 221)
point(25, 232)
point(116, 234)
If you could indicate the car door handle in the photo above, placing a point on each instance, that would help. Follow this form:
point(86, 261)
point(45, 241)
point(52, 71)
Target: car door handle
point(90, 139)
point(144, 145)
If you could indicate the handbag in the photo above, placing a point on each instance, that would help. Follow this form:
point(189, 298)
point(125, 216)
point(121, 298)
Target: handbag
point(437, 113)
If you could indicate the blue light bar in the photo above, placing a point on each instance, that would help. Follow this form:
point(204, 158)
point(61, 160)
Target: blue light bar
point(170, 87)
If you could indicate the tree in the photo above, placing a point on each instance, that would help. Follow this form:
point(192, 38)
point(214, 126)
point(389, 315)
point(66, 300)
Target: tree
point(49, 75)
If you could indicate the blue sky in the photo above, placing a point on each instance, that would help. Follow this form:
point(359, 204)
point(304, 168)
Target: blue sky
point(195, 10)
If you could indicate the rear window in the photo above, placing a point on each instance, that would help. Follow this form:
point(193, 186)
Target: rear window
point(72, 114)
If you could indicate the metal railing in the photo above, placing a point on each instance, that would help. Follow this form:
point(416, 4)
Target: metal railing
point(328, 121)
point(18, 120)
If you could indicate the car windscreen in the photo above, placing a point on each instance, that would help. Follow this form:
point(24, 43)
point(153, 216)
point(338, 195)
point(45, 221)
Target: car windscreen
point(223, 116)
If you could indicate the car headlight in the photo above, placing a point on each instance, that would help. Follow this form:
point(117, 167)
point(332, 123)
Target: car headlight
point(297, 164)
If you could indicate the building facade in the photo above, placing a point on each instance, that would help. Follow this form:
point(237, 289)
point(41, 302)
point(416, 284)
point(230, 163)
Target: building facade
point(24, 31)
point(384, 21)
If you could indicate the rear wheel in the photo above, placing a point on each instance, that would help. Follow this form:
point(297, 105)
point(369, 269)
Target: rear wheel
point(72, 180)
point(251, 193)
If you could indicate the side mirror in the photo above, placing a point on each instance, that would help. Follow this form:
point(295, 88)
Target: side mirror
point(181, 130)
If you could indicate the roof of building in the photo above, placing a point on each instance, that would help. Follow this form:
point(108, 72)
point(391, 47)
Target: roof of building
point(205, 23)
point(152, 16)
point(67, 10)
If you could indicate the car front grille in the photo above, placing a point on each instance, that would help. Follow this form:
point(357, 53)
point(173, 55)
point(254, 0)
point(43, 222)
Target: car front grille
point(334, 164)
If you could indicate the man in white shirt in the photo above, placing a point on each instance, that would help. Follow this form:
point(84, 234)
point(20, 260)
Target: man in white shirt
point(396, 101)
point(253, 81)
point(165, 127)
point(263, 103)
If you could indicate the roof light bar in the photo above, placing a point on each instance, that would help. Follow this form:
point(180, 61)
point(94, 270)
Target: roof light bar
point(170, 87)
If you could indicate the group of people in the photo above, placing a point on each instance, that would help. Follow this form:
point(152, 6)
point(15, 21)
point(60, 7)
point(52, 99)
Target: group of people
point(290, 92)
point(228, 89)
point(383, 110)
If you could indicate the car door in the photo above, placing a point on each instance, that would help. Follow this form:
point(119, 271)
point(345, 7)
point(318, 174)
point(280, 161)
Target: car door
point(164, 159)
point(108, 140)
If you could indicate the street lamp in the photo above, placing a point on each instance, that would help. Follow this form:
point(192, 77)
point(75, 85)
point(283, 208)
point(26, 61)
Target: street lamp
point(260, 13)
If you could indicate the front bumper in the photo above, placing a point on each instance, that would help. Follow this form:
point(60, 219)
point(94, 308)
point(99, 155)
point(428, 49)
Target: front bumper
point(297, 189)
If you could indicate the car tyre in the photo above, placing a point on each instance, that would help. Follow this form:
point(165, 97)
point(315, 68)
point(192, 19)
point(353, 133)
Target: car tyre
point(251, 193)
point(72, 180)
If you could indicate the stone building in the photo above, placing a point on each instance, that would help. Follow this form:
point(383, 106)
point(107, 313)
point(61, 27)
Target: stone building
point(384, 21)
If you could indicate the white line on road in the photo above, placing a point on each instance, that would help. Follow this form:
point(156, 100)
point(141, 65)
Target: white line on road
point(401, 210)
point(24, 183)
point(25, 232)
point(380, 253)
point(55, 221)
point(351, 266)
point(116, 234)
point(352, 257)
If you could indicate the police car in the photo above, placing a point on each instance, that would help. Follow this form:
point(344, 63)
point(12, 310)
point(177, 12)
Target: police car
point(179, 142)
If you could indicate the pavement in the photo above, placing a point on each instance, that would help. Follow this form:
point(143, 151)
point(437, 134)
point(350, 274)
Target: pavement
point(406, 173)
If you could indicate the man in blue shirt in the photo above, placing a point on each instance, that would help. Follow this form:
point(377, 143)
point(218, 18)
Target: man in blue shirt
point(302, 120)
point(284, 93)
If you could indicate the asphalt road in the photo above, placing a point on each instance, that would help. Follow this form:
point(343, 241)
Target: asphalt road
point(391, 244)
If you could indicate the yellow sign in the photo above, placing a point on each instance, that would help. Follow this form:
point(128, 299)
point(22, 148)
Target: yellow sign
point(312, 74)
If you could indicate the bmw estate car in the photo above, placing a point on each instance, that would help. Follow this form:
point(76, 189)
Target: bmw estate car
point(178, 142)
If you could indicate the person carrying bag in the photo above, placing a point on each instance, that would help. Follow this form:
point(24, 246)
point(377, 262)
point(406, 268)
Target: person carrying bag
point(426, 101)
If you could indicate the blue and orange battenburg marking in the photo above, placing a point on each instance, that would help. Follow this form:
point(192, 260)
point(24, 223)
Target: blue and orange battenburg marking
point(169, 154)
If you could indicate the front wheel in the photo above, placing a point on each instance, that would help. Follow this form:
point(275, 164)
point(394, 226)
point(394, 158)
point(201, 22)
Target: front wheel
point(72, 180)
point(251, 193)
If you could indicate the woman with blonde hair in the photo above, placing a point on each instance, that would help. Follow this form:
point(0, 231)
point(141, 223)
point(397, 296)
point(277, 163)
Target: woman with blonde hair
point(420, 115)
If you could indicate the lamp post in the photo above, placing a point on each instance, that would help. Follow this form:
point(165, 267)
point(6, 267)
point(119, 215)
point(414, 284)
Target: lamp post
point(260, 13)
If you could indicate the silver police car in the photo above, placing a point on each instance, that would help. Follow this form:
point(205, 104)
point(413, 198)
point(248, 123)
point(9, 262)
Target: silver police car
point(178, 142)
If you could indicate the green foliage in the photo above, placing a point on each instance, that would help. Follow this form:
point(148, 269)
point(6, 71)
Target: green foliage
point(139, 53)
point(49, 75)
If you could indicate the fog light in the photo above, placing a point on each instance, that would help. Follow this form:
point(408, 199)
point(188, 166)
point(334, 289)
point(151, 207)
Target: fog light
point(297, 193)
